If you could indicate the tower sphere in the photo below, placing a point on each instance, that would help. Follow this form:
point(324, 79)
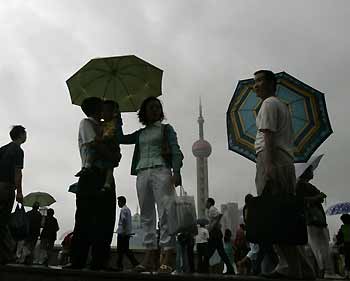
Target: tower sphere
point(201, 148)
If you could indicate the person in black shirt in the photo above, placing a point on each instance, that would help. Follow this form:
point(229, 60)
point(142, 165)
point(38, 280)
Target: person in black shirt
point(48, 236)
point(34, 221)
point(11, 165)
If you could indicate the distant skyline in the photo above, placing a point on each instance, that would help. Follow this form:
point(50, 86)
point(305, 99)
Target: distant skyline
point(204, 48)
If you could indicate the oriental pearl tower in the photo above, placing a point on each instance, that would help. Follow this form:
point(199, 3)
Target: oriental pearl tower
point(201, 150)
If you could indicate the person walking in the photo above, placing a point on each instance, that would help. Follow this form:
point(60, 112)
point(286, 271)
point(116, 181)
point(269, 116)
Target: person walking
point(343, 240)
point(95, 208)
point(202, 249)
point(275, 172)
point(157, 162)
point(124, 233)
point(228, 245)
point(34, 218)
point(215, 235)
point(11, 165)
point(48, 237)
point(318, 234)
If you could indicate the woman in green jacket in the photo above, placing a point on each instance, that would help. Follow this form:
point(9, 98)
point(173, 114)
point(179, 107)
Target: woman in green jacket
point(156, 162)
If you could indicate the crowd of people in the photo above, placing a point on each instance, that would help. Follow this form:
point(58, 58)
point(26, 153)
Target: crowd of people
point(157, 163)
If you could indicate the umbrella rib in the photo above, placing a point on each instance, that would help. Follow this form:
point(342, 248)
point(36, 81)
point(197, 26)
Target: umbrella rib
point(294, 101)
point(106, 88)
point(299, 118)
point(251, 126)
point(93, 80)
point(127, 91)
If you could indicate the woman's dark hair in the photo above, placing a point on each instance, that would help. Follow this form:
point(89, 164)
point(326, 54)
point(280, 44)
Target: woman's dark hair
point(16, 132)
point(142, 112)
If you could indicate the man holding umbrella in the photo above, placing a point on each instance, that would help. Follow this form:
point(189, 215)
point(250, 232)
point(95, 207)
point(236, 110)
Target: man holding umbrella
point(275, 173)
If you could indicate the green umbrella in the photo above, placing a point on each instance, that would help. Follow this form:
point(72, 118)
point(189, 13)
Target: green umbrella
point(44, 199)
point(127, 80)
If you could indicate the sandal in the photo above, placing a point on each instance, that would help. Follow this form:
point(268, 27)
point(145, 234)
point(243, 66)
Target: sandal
point(165, 269)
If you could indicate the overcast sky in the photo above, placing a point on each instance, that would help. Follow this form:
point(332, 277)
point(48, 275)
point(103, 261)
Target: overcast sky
point(204, 48)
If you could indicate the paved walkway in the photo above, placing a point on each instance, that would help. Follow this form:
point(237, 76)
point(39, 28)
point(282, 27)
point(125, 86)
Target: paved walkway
point(54, 273)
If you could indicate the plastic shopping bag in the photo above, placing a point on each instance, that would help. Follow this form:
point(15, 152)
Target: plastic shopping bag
point(182, 214)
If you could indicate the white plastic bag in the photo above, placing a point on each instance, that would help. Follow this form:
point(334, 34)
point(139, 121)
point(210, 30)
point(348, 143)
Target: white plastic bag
point(182, 214)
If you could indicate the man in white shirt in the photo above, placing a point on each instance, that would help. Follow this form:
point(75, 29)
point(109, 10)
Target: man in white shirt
point(215, 235)
point(275, 173)
point(95, 209)
point(124, 233)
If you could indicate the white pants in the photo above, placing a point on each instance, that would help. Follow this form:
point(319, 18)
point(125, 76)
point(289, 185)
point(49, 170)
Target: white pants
point(154, 188)
point(319, 242)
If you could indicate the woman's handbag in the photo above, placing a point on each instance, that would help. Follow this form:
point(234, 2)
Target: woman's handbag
point(276, 219)
point(182, 214)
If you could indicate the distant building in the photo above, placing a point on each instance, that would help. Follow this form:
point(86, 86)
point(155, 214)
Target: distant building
point(230, 217)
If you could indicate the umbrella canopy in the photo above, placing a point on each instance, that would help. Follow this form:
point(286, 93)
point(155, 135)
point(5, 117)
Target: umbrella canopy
point(127, 80)
point(340, 208)
point(302, 167)
point(44, 199)
point(307, 106)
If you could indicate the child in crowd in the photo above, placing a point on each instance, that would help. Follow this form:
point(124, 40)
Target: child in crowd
point(109, 157)
point(110, 126)
point(202, 248)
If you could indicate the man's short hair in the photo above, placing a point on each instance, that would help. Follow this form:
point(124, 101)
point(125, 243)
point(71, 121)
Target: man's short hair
point(211, 201)
point(50, 212)
point(122, 199)
point(16, 132)
point(269, 75)
point(90, 106)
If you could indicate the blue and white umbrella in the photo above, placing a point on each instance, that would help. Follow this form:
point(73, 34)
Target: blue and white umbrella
point(339, 208)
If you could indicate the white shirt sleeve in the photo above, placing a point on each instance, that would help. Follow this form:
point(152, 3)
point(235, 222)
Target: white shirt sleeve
point(86, 131)
point(269, 116)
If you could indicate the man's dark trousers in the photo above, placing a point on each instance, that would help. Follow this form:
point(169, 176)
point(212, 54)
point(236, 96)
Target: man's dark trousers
point(123, 249)
point(7, 244)
point(94, 221)
point(215, 243)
